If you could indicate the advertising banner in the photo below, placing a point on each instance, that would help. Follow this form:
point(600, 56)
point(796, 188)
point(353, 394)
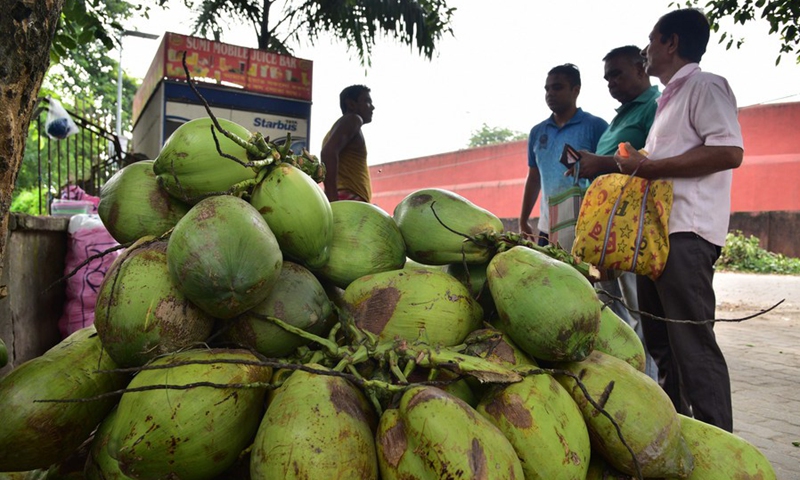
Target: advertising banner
point(250, 69)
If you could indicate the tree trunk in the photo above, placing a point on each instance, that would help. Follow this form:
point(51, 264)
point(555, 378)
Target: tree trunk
point(27, 28)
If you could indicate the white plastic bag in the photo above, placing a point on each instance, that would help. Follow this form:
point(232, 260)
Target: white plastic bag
point(59, 124)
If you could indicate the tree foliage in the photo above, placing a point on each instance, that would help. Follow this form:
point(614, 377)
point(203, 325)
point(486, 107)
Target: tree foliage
point(86, 21)
point(280, 24)
point(783, 17)
point(84, 78)
point(487, 135)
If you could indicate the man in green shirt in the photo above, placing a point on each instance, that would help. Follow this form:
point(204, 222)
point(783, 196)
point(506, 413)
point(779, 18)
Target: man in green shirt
point(630, 85)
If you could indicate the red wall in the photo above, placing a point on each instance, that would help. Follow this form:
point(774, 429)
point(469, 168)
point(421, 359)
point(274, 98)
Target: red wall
point(493, 177)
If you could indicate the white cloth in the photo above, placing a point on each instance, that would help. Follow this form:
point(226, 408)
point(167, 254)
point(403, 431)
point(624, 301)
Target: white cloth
point(700, 111)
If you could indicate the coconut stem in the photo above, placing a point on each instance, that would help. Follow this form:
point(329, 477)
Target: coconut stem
point(507, 240)
point(332, 347)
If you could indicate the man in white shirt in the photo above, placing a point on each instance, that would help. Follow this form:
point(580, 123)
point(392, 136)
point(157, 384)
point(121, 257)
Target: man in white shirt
point(695, 141)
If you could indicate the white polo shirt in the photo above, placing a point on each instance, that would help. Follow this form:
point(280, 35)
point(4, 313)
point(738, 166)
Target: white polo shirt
point(701, 111)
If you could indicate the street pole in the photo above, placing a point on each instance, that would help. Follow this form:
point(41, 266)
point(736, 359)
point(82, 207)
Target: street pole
point(125, 33)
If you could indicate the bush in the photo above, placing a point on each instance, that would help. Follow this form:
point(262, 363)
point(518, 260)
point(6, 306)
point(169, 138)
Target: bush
point(27, 201)
point(741, 254)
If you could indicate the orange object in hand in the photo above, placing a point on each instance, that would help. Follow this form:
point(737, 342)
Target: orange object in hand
point(623, 152)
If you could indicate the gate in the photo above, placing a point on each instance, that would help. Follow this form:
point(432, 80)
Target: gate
point(86, 159)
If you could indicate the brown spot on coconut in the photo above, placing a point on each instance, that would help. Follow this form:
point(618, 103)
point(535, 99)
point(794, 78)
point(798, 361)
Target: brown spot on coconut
point(544, 425)
point(412, 305)
point(444, 438)
point(393, 441)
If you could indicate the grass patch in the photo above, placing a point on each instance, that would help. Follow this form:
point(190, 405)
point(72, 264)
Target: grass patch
point(744, 254)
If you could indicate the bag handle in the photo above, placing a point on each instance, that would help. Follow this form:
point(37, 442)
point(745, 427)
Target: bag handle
point(640, 230)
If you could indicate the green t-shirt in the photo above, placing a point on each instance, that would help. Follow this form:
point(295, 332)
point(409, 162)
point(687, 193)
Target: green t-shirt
point(631, 124)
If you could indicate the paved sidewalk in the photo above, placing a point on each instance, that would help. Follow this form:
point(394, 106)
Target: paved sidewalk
point(763, 356)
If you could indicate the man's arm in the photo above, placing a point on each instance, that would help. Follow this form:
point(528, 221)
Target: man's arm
point(697, 162)
point(342, 133)
point(532, 186)
point(594, 165)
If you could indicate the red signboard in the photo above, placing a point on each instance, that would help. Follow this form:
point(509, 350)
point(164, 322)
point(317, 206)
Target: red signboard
point(251, 69)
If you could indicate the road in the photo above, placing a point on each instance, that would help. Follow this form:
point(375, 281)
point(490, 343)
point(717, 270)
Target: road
point(763, 356)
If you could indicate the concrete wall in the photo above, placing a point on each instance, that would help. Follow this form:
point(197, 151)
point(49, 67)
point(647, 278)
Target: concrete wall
point(34, 262)
point(777, 231)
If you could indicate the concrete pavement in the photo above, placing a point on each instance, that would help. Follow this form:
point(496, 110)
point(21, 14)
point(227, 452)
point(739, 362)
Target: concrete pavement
point(763, 356)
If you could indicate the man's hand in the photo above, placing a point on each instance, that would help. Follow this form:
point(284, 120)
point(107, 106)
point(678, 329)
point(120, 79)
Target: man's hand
point(525, 229)
point(592, 166)
point(628, 158)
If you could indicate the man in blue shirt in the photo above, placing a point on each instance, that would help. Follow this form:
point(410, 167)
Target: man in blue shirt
point(567, 125)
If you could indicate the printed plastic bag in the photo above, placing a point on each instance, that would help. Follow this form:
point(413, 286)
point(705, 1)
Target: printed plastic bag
point(59, 124)
point(624, 224)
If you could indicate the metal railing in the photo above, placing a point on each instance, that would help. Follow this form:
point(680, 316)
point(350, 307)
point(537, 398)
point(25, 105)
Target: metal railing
point(86, 159)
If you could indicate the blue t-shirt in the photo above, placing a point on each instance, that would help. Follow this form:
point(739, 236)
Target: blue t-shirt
point(545, 144)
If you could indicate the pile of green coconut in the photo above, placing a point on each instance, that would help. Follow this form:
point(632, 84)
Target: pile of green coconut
point(253, 330)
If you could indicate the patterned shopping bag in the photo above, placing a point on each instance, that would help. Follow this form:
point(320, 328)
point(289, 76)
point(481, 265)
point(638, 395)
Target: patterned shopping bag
point(624, 224)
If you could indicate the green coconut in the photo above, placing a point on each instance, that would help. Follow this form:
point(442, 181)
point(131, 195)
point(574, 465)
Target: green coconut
point(545, 426)
point(223, 256)
point(599, 469)
point(721, 455)
point(132, 205)
point(449, 381)
point(298, 299)
point(316, 426)
point(473, 276)
point(189, 166)
point(195, 432)
point(646, 418)
point(366, 240)
point(432, 434)
point(297, 212)
point(36, 434)
point(99, 464)
point(140, 313)
point(413, 305)
point(3, 354)
point(434, 222)
point(414, 265)
point(618, 339)
point(548, 308)
point(496, 347)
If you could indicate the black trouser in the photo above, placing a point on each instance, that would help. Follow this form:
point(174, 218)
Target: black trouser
point(691, 367)
point(544, 239)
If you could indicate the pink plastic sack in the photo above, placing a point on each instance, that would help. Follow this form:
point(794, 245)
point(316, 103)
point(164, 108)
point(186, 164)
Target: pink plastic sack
point(87, 237)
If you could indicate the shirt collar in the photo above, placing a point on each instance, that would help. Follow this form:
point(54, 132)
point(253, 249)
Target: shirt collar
point(685, 71)
point(579, 114)
point(650, 94)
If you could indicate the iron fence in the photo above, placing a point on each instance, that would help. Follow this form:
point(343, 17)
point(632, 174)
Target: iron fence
point(86, 159)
